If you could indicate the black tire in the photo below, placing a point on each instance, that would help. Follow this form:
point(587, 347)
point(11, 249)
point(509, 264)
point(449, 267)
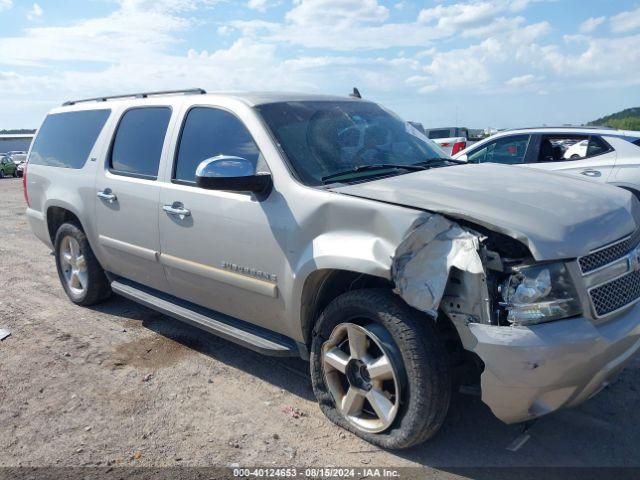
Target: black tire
point(416, 350)
point(98, 288)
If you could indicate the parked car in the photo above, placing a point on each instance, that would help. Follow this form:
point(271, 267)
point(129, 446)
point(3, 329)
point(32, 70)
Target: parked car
point(393, 270)
point(606, 155)
point(17, 157)
point(7, 167)
point(575, 150)
point(20, 169)
point(451, 139)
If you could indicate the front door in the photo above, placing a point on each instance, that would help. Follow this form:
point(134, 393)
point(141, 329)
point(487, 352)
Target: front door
point(128, 197)
point(221, 249)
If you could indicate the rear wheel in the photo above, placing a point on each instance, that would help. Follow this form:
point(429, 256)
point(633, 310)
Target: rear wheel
point(379, 369)
point(81, 275)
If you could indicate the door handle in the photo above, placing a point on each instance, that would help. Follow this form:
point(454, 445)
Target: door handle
point(177, 209)
point(591, 173)
point(107, 195)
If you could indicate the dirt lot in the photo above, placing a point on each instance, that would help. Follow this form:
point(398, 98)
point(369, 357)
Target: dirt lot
point(121, 385)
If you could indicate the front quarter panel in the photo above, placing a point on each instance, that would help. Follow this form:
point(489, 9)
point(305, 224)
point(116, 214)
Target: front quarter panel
point(339, 232)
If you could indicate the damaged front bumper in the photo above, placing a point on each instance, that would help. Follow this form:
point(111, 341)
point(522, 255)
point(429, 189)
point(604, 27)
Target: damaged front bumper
point(531, 371)
point(528, 370)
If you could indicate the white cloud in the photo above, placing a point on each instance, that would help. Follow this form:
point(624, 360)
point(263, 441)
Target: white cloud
point(521, 81)
point(469, 14)
point(261, 5)
point(625, 21)
point(5, 5)
point(130, 32)
point(344, 25)
point(340, 13)
point(590, 24)
point(140, 46)
point(35, 13)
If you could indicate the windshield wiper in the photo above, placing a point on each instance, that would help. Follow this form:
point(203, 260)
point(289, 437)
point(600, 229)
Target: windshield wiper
point(377, 166)
point(441, 159)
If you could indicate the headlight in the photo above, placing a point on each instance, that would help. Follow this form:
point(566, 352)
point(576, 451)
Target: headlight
point(539, 293)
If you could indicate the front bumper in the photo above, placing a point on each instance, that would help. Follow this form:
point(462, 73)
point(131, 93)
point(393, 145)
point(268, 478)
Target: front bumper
point(532, 371)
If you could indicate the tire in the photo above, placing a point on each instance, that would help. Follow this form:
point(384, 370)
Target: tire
point(94, 283)
point(417, 353)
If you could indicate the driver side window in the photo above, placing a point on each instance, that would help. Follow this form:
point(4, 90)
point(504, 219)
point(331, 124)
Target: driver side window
point(506, 150)
point(208, 132)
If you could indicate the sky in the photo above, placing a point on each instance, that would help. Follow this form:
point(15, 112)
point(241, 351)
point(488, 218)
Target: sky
point(479, 63)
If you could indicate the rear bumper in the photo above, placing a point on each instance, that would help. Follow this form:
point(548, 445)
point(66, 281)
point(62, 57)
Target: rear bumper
point(532, 371)
point(38, 225)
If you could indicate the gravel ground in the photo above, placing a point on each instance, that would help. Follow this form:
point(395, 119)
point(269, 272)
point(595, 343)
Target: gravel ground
point(121, 385)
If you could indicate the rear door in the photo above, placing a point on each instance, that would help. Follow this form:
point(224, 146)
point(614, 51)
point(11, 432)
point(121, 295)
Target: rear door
point(128, 196)
point(587, 155)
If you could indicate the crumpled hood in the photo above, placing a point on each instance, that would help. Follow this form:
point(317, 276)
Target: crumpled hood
point(556, 215)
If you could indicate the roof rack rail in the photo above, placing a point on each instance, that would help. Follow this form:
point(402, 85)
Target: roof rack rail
point(566, 127)
point(189, 91)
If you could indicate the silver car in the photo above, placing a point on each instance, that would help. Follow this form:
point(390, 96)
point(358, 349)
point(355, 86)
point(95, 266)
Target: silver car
point(327, 228)
point(601, 154)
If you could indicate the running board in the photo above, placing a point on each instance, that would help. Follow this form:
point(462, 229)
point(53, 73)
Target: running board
point(250, 336)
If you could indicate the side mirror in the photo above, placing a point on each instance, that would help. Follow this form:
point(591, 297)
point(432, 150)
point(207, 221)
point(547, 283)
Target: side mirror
point(235, 174)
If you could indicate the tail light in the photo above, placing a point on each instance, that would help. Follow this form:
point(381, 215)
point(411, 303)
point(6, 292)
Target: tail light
point(458, 147)
point(24, 182)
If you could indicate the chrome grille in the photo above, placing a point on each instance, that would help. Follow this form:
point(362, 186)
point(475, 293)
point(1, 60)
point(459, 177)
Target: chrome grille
point(603, 257)
point(616, 294)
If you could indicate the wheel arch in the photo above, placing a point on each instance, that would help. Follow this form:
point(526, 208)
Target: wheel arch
point(629, 188)
point(323, 285)
point(56, 215)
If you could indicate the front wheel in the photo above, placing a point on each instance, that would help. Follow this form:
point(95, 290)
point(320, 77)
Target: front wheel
point(380, 370)
point(81, 275)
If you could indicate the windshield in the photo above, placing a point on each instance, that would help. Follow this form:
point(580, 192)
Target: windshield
point(322, 139)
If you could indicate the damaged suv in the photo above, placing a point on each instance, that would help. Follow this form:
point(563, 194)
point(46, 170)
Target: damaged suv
point(327, 228)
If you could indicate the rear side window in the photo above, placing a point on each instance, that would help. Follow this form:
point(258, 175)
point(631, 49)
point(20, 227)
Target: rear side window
point(597, 146)
point(559, 148)
point(209, 132)
point(66, 139)
point(137, 146)
point(435, 134)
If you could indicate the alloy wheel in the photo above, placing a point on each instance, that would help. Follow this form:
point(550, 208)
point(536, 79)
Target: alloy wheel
point(74, 266)
point(361, 377)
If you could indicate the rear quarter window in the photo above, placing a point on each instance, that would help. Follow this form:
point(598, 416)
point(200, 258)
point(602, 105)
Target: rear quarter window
point(435, 134)
point(66, 139)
